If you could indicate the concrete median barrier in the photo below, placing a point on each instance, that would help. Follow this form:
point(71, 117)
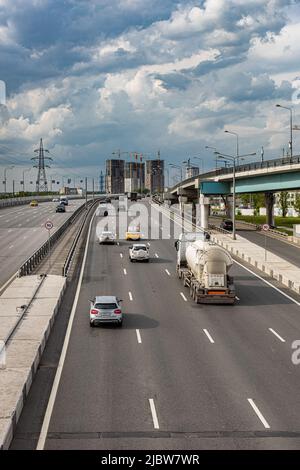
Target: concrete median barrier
point(25, 347)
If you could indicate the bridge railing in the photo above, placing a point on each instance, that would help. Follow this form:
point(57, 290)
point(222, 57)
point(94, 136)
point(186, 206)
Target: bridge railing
point(277, 162)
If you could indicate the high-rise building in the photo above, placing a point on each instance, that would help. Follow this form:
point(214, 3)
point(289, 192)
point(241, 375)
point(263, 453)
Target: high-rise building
point(134, 176)
point(155, 180)
point(191, 171)
point(114, 178)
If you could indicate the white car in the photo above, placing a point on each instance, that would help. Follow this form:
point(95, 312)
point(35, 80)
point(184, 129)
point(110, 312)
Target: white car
point(139, 252)
point(105, 309)
point(107, 237)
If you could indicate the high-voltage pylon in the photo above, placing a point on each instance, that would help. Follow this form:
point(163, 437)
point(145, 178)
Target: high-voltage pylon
point(41, 182)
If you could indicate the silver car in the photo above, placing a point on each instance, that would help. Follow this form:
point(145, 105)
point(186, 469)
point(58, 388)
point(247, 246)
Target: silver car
point(105, 309)
point(107, 237)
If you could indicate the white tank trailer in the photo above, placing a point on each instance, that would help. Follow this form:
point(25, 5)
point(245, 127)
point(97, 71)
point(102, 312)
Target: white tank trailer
point(203, 266)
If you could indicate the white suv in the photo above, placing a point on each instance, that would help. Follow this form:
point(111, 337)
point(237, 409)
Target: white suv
point(105, 309)
point(139, 252)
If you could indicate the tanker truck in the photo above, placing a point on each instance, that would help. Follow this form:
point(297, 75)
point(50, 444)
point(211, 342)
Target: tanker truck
point(203, 266)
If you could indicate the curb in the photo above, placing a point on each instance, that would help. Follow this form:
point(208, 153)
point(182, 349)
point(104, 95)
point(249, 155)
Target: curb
point(295, 287)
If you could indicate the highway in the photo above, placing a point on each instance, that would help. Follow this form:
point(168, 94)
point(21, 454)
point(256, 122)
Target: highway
point(22, 231)
point(177, 375)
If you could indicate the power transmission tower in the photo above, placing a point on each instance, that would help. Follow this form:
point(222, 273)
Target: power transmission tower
point(41, 182)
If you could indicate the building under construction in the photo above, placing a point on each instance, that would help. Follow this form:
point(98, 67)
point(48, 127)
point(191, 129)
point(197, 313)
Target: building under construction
point(134, 176)
point(114, 177)
point(155, 180)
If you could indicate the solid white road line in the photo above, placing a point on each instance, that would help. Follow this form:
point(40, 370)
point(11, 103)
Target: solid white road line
point(138, 334)
point(258, 413)
point(268, 283)
point(121, 255)
point(156, 255)
point(130, 295)
point(124, 271)
point(276, 334)
point(183, 296)
point(153, 412)
point(168, 273)
point(51, 402)
point(208, 335)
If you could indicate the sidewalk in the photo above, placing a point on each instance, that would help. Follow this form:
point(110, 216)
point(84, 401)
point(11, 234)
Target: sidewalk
point(276, 267)
point(24, 350)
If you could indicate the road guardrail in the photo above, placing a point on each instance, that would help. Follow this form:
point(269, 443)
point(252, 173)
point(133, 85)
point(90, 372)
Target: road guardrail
point(28, 266)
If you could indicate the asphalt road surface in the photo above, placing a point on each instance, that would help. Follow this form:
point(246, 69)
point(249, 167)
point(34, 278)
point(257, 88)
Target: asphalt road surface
point(177, 375)
point(22, 232)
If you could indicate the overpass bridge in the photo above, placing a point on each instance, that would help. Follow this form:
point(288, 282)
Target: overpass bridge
point(269, 177)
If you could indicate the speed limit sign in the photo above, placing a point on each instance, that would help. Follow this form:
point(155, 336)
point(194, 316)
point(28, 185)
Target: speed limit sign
point(265, 227)
point(48, 225)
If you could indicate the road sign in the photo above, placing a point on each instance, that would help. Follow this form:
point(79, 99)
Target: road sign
point(48, 225)
point(265, 227)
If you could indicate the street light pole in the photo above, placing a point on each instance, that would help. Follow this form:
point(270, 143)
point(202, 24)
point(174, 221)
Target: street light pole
point(179, 167)
point(24, 171)
point(291, 126)
point(237, 143)
point(233, 159)
point(5, 179)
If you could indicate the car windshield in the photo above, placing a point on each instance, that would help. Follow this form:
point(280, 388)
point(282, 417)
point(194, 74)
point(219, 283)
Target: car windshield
point(110, 306)
point(137, 248)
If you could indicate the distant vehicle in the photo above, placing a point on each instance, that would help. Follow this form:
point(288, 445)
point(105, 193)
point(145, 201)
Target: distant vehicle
point(108, 200)
point(102, 209)
point(34, 204)
point(107, 237)
point(105, 309)
point(64, 200)
point(132, 196)
point(60, 208)
point(139, 252)
point(133, 233)
point(227, 225)
point(55, 199)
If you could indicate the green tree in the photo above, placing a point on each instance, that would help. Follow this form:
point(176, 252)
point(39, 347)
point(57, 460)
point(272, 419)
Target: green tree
point(283, 202)
point(258, 202)
point(296, 204)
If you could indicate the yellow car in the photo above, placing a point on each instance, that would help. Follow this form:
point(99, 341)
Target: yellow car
point(33, 204)
point(131, 235)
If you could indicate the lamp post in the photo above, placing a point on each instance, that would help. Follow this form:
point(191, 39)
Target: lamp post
point(179, 167)
point(24, 171)
point(237, 143)
point(202, 163)
point(212, 148)
point(5, 179)
point(233, 159)
point(291, 126)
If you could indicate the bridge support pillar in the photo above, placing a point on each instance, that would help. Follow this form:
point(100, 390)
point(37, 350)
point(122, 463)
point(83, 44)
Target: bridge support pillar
point(229, 207)
point(270, 200)
point(182, 201)
point(204, 211)
point(194, 215)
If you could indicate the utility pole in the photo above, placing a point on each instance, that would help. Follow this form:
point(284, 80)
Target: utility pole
point(86, 193)
point(41, 182)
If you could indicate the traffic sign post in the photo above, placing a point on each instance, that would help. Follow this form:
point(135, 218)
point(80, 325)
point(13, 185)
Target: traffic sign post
point(49, 226)
point(265, 228)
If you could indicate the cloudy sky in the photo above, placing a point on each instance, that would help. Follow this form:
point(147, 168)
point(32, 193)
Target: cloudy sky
point(91, 77)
